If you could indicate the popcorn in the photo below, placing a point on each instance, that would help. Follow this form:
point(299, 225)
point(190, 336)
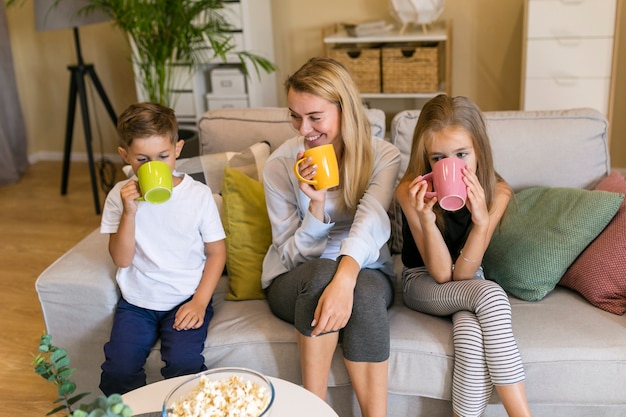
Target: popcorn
point(232, 397)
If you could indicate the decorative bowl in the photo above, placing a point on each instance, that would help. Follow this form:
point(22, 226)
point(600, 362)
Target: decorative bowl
point(217, 392)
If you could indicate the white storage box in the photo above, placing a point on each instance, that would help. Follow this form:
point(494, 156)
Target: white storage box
point(214, 101)
point(228, 82)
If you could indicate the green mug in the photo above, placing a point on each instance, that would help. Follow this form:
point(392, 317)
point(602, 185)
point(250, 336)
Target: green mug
point(155, 182)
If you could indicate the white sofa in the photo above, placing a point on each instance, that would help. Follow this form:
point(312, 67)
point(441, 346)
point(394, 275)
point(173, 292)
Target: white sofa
point(574, 353)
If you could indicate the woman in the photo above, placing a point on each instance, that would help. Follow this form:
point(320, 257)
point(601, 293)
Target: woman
point(328, 270)
point(442, 253)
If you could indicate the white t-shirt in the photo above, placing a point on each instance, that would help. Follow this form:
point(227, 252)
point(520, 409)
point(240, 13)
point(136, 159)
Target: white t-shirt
point(169, 257)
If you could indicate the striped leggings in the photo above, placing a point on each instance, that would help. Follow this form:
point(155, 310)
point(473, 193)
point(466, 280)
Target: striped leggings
point(485, 351)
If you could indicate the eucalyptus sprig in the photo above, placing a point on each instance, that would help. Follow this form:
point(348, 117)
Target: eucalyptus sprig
point(52, 364)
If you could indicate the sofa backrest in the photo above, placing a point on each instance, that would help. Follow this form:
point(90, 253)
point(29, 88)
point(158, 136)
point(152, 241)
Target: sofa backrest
point(234, 129)
point(565, 148)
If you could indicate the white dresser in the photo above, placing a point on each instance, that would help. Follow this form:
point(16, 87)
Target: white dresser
point(569, 54)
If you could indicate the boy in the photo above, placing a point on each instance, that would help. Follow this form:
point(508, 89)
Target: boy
point(170, 257)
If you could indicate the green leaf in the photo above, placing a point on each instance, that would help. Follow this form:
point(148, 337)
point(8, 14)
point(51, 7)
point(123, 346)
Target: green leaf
point(57, 354)
point(56, 410)
point(73, 400)
point(66, 388)
point(117, 408)
point(65, 373)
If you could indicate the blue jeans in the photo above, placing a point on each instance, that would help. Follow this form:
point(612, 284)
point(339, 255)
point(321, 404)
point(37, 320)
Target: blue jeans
point(135, 331)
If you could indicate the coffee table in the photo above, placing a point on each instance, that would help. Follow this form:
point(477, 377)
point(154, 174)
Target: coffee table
point(290, 399)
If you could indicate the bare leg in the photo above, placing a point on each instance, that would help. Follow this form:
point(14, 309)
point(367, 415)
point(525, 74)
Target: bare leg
point(316, 354)
point(513, 398)
point(369, 380)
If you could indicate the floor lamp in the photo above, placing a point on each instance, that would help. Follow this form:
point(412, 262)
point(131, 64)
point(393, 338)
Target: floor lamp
point(65, 15)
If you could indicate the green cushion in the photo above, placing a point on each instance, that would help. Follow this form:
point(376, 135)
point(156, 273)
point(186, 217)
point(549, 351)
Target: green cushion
point(248, 234)
point(543, 232)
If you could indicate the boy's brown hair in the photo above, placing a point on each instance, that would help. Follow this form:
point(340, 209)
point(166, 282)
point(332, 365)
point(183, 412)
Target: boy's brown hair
point(142, 120)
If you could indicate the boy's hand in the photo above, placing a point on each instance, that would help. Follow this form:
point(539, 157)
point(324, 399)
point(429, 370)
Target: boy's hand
point(130, 192)
point(189, 316)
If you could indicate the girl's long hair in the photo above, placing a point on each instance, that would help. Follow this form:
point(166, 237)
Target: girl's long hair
point(457, 112)
point(328, 79)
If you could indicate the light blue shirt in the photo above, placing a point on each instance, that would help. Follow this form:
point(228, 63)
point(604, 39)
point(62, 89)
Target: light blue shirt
point(297, 236)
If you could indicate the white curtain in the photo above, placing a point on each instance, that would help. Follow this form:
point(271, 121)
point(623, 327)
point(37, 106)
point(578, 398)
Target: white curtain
point(13, 142)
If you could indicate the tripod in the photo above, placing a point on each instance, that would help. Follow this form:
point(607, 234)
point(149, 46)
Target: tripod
point(77, 88)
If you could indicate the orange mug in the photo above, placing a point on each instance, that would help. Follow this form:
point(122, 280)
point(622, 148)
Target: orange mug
point(327, 175)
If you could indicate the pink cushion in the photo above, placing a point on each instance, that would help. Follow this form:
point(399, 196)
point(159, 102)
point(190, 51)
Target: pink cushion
point(599, 273)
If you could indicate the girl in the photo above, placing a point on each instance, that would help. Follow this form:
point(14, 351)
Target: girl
point(442, 254)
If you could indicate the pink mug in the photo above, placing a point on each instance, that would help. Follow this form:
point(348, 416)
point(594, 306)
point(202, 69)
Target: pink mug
point(447, 181)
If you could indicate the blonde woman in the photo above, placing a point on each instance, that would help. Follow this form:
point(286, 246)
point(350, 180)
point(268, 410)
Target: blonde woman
point(328, 270)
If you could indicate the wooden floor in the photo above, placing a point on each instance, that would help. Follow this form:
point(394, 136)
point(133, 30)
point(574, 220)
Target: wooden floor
point(37, 225)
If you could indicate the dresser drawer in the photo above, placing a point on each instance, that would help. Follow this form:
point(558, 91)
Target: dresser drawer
point(569, 57)
point(558, 94)
point(571, 18)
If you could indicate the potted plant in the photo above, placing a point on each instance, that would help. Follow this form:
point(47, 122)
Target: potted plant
point(169, 34)
point(52, 364)
point(170, 39)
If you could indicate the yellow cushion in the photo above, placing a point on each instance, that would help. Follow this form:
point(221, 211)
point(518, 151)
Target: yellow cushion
point(248, 234)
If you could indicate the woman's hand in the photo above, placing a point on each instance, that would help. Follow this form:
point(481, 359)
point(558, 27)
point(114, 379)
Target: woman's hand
point(422, 205)
point(318, 197)
point(476, 201)
point(334, 308)
point(308, 170)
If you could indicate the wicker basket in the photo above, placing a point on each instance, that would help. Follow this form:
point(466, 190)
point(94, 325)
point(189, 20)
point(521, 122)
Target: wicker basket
point(410, 69)
point(363, 64)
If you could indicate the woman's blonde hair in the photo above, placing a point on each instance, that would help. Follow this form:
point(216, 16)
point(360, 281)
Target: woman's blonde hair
point(442, 112)
point(328, 79)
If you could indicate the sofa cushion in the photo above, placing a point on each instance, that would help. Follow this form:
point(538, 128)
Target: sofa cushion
point(573, 352)
point(543, 231)
point(524, 145)
point(234, 129)
point(599, 273)
point(248, 234)
point(209, 169)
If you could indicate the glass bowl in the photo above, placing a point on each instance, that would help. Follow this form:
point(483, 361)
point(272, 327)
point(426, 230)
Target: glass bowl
point(203, 394)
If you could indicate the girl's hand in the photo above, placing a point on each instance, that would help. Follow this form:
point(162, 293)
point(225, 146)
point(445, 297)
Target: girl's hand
point(423, 205)
point(189, 316)
point(130, 192)
point(476, 202)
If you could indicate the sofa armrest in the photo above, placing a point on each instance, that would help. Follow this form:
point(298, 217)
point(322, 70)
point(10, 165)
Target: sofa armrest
point(78, 295)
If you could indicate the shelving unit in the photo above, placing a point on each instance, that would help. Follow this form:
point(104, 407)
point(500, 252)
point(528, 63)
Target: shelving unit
point(251, 23)
point(438, 33)
point(569, 54)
